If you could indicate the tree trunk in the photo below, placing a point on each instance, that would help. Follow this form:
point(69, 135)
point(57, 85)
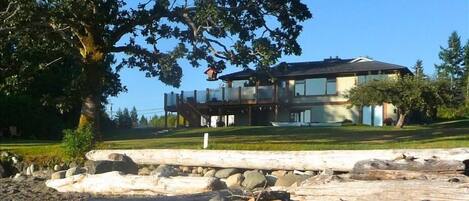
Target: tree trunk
point(93, 72)
point(400, 122)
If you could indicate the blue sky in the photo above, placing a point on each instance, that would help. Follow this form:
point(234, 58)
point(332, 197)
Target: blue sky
point(393, 31)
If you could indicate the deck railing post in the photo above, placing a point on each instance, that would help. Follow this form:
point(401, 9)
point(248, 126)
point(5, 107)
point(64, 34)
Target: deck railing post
point(182, 96)
point(207, 97)
point(195, 96)
point(223, 94)
point(239, 95)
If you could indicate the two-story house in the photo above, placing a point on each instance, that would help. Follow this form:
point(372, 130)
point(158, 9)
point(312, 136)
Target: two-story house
point(300, 93)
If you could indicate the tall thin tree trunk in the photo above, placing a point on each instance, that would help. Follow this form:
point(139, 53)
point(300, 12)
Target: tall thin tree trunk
point(401, 121)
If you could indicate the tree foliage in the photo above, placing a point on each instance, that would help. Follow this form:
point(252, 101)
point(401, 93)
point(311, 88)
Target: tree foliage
point(216, 32)
point(406, 93)
point(451, 59)
point(418, 68)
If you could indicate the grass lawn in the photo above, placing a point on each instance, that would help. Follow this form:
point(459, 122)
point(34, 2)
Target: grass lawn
point(440, 135)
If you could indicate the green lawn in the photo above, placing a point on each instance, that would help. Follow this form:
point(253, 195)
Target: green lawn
point(441, 135)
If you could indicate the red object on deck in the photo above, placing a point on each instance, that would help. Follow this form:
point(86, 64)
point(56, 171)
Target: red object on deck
point(211, 73)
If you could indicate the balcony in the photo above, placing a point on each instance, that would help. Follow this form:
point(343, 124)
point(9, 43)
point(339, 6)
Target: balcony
point(228, 96)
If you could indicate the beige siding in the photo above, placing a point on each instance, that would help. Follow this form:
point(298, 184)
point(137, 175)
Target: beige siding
point(344, 84)
point(334, 113)
point(390, 112)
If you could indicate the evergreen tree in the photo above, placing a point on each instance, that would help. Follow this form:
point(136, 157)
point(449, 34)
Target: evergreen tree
point(466, 70)
point(126, 120)
point(451, 56)
point(134, 117)
point(418, 68)
point(143, 121)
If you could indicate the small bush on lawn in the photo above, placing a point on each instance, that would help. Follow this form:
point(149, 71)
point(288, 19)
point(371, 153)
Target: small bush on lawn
point(77, 142)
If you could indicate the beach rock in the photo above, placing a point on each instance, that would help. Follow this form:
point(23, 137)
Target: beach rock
point(144, 171)
point(57, 168)
point(279, 173)
point(164, 171)
point(210, 173)
point(116, 162)
point(200, 170)
point(248, 172)
point(225, 173)
point(74, 171)
point(59, 174)
point(185, 169)
point(30, 170)
point(234, 180)
point(289, 179)
point(271, 180)
point(254, 179)
point(3, 172)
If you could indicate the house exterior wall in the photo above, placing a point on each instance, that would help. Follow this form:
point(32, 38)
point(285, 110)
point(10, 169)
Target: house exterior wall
point(334, 113)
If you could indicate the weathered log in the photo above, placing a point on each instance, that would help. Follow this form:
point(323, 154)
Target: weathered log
point(115, 183)
point(398, 174)
point(433, 190)
point(338, 160)
point(405, 169)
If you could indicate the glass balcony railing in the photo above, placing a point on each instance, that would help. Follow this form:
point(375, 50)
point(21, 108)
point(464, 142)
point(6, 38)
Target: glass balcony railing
point(227, 95)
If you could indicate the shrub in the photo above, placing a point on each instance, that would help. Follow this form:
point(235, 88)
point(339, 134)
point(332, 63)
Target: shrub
point(220, 124)
point(77, 142)
point(388, 121)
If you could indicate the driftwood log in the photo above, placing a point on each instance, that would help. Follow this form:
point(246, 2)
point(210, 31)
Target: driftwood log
point(434, 190)
point(115, 183)
point(405, 168)
point(338, 160)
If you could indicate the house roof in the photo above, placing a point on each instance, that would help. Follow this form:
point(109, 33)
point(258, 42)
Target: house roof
point(314, 68)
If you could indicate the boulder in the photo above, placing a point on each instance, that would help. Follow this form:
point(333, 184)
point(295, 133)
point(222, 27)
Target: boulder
point(254, 179)
point(59, 174)
point(164, 171)
point(57, 168)
point(144, 171)
point(74, 171)
point(185, 169)
point(117, 162)
point(210, 173)
point(248, 172)
point(30, 170)
point(271, 179)
point(200, 170)
point(43, 174)
point(225, 173)
point(234, 180)
point(279, 173)
point(3, 172)
point(289, 179)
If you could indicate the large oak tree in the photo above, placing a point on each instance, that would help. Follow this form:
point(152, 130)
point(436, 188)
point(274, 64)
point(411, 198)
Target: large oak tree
point(216, 32)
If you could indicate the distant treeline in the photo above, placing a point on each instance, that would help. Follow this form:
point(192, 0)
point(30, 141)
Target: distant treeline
point(125, 119)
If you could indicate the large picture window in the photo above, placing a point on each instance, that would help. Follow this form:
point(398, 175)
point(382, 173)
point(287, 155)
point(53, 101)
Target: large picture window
point(316, 86)
point(299, 88)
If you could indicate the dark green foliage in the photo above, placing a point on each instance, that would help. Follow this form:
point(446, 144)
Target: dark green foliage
point(454, 69)
point(210, 32)
point(143, 122)
point(418, 68)
point(407, 93)
point(466, 73)
point(123, 119)
point(32, 120)
point(158, 121)
point(451, 59)
point(134, 117)
point(77, 142)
